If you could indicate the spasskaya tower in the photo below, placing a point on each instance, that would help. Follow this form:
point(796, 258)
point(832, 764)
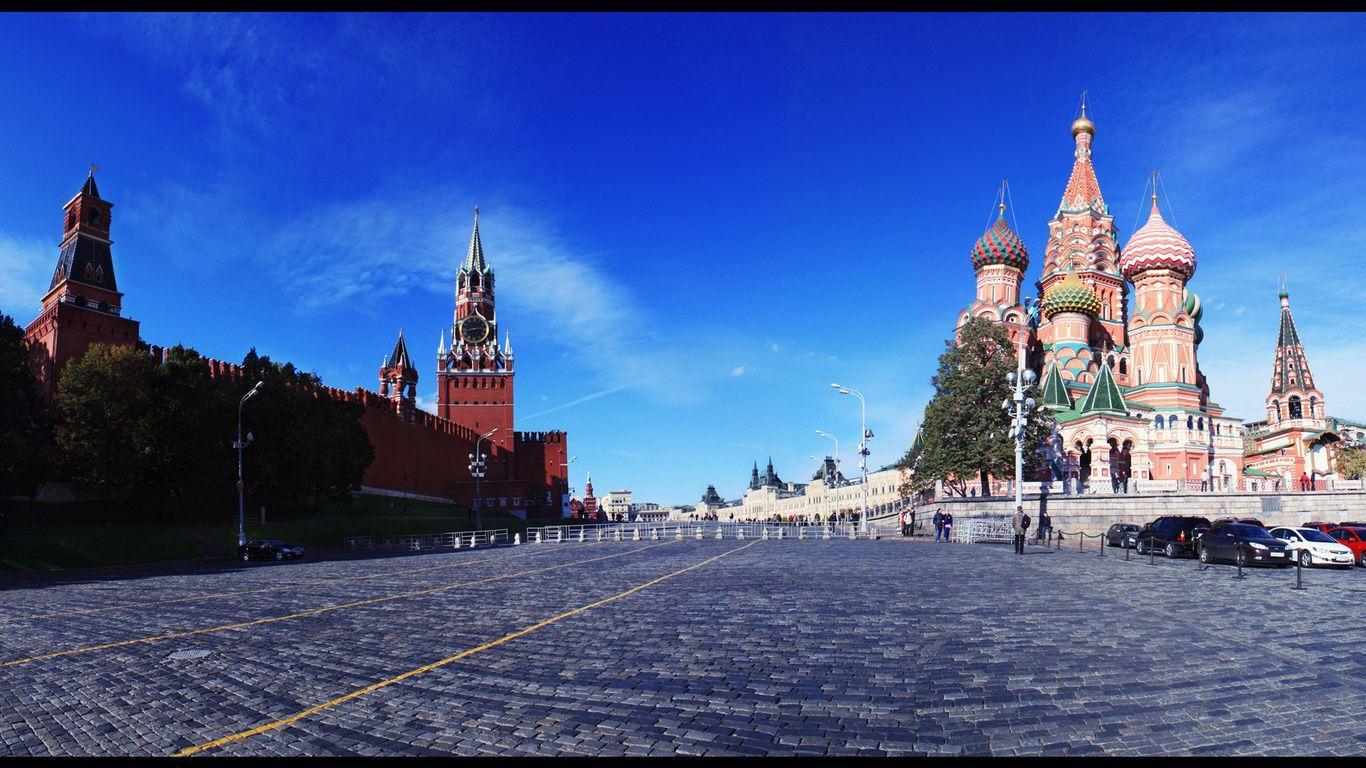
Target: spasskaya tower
point(474, 375)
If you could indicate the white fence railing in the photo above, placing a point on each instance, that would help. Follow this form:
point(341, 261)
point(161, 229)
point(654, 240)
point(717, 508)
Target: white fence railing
point(988, 529)
point(430, 542)
point(697, 529)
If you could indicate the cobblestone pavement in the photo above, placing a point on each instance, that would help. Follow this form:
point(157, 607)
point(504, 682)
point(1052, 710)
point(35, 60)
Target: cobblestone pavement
point(814, 647)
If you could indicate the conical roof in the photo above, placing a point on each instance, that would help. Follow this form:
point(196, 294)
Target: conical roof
point(1083, 189)
point(1156, 245)
point(1054, 391)
point(1292, 366)
point(398, 359)
point(1105, 395)
point(474, 257)
point(89, 187)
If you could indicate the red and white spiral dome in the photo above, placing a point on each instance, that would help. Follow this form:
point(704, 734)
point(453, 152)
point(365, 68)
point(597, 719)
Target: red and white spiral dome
point(1156, 245)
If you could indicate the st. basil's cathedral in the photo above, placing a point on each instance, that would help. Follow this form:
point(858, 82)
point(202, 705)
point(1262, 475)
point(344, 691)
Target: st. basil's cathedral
point(1125, 387)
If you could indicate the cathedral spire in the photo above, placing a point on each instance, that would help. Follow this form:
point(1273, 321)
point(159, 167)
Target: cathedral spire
point(1083, 190)
point(1292, 366)
point(474, 257)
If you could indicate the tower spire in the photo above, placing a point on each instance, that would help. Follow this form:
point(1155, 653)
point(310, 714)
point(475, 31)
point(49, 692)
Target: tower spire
point(1083, 190)
point(474, 257)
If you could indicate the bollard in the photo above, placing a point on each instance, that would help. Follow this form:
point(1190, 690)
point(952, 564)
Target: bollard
point(1152, 554)
point(826, 529)
point(581, 537)
point(618, 533)
point(1238, 561)
point(473, 541)
point(739, 533)
point(719, 533)
point(599, 535)
point(457, 541)
point(801, 533)
point(1299, 573)
point(765, 534)
point(680, 534)
point(699, 534)
point(851, 534)
point(516, 540)
point(1126, 549)
point(636, 537)
point(1101, 542)
point(559, 535)
point(538, 537)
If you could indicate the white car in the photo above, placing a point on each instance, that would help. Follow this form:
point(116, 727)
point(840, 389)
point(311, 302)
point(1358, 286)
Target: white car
point(1314, 547)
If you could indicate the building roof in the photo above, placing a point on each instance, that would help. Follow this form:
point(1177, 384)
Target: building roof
point(1054, 391)
point(1083, 189)
point(89, 187)
point(1254, 472)
point(399, 357)
point(474, 257)
point(1070, 295)
point(1000, 245)
point(1156, 245)
point(1105, 395)
point(1291, 369)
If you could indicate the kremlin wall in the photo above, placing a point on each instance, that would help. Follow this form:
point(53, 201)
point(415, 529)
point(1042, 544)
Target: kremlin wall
point(417, 454)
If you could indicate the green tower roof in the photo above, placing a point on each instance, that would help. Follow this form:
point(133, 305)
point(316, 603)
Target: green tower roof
point(1054, 392)
point(1105, 395)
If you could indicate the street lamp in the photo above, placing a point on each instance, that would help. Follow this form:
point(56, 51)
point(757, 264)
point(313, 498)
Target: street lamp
point(1019, 407)
point(569, 490)
point(837, 446)
point(477, 468)
point(864, 435)
point(239, 444)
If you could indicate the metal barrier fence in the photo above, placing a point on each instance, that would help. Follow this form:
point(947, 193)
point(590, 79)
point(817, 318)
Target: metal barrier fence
point(430, 542)
point(693, 529)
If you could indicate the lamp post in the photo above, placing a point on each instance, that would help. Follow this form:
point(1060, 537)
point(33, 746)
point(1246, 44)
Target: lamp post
point(239, 444)
point(1019, 407)
point(864, 435)
point(477, 467)
point(569, 490)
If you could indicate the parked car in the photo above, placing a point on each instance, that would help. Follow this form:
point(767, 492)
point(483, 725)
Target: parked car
point(1354, 539)
point(1310, 546)
point(1322, 526)
point(1243, 544)
point(1121, 535)
point(1248, 520)
point(269, 549)
point(1169, 534)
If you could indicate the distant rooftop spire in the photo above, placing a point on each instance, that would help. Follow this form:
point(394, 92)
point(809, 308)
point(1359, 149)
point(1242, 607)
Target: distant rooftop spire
point(89, 187)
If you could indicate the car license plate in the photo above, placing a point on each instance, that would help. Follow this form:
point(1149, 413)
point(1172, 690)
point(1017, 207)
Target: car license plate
point(1278, 554)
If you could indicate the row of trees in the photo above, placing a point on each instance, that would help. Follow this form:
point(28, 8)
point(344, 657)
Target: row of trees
point(964, 437)
point(155, 440)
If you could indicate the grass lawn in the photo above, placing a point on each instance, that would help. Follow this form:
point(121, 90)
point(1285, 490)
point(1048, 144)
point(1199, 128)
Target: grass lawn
point(87, 546)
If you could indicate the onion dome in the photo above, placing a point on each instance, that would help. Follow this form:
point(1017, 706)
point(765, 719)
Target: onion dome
point(1070, 295)
point(1157, 246)
point(1190, 304)
point(1082, 124)
point(1000, 245)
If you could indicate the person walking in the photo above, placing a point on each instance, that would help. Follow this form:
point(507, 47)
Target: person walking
point(948, 526)
point(1018, 523)
point(912, 521)
point(939, 525)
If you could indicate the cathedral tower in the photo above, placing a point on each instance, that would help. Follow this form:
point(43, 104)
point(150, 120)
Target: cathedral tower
point(999, 260)
point(83, 304)
point(1070, 306)
point(474, 376)
point(1293, 394)
point(1082, 239)
point(398, 380)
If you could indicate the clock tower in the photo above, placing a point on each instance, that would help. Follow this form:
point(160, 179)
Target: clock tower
point(474, 374)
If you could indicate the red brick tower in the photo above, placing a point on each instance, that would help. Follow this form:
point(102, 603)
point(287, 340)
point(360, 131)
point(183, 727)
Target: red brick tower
point(474, 376)
point(590, 502)
point(83, 303)
point(398, 380)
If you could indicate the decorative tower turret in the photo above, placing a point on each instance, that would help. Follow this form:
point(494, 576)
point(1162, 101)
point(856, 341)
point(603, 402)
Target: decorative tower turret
point(1082, 238)
point(1069, 307)
point(999, 259)
point(1162, 332)
point(83, 304)
point(474, 374)
point(398, 380)
point(1293, 394)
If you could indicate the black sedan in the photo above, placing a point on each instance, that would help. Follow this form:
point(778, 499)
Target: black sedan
point(269, 549)
point(1243, 544)
point(1121, 535)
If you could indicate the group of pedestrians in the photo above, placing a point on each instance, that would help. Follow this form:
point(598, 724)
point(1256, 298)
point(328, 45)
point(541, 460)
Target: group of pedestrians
point(943, 525)
point(1021, 522)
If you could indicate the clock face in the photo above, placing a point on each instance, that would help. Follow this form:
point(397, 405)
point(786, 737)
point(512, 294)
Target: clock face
point(474, 329)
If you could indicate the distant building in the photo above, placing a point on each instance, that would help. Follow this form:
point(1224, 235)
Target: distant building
point(617, 505)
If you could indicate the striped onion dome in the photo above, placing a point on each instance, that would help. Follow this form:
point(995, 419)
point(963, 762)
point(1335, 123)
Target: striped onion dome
point(1070, 295)
point(1000, 245)
point(1157, 246)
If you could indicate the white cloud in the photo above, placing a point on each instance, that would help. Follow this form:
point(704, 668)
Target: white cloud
point(24, 265)
point(738, 370)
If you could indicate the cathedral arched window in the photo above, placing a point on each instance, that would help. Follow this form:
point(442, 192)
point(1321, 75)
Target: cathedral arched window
point(1123, 367)
point(1157, 422)
point(1171, 421)
point(1296, 409)
point(1190, 422)
point(1200, 423)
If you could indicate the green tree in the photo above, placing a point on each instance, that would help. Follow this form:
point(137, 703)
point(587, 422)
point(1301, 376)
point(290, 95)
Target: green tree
point(22, 423)
point(965, 432)
point(191, 465)
point(1352, 463)
point(103, 435)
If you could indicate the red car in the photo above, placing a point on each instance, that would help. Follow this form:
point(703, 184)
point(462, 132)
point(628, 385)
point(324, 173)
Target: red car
point(1355, 539)
point(1325, 527)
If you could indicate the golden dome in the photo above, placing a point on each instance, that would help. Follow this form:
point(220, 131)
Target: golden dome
point(1082, 124)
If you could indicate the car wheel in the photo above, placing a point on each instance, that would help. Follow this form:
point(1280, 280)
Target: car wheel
point(1306, 559)
point(279, 555)
point(1361, 559)
point(1171, 550)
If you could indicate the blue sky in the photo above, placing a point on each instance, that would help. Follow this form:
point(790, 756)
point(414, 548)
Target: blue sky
point(698, 222)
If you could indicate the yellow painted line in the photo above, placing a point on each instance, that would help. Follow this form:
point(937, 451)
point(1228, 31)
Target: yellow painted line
point(313, 611)
point(221, 595)
point(294, 718)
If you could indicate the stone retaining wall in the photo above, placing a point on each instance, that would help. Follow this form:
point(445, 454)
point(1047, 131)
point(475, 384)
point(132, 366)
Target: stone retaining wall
point(1096, 513)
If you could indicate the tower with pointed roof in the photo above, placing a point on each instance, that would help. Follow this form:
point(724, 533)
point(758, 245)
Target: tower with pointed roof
point(1083, 248)
point(999, 260)
point(398, 380)
point(1293, 394)
point(475, 372)
point(83, 304)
